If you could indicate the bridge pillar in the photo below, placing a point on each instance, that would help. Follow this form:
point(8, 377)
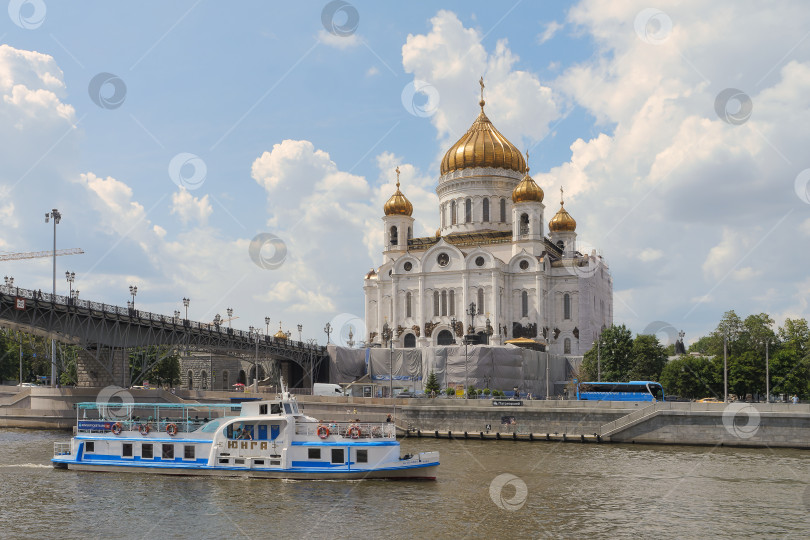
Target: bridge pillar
point(110, 368)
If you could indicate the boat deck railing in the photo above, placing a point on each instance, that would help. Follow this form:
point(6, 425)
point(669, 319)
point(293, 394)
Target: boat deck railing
point(105, 425)
point(61, 448)
point(349, 430)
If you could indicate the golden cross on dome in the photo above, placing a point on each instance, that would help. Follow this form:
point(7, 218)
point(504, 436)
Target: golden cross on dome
point(561, 196)
point(527, 161)
point(481, 82)
point(397, 176)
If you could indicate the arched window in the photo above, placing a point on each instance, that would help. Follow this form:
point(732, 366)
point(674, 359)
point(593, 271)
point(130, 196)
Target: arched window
point(444, 302)
point(468, 211)
point(190, 380)
point(480, 301)
point(503, 210)
point(524, 304)
point(410, 341)
point(567, 346)
point(452, 301)
point(566, 306)
point(452, 212)
point(410, 233)
point(524, 223)
point(486, 210)
point(225, 380)
point(204, 380)
point(445, 338)
point(392, 237)
point(435, 303)
point(408, 300)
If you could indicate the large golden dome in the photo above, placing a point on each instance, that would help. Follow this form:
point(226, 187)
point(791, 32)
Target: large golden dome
point(527, 190)
point(483, 146)
point(562, 220)
point(398, 204)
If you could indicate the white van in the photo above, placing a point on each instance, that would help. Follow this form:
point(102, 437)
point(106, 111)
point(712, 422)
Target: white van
point(326, 389)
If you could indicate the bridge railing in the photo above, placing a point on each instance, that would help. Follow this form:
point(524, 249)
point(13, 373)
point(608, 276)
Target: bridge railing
point(38, 295)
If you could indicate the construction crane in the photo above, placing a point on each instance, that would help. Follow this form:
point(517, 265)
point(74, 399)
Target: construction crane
point(38, 254)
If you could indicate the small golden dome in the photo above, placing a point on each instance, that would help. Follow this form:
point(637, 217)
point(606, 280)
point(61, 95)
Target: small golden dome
point(527, 190)
point(398, 204)
point(280, 334)
point(482, 146)
point(562, 220)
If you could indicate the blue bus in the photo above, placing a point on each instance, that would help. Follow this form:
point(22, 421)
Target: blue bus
point(620, 391)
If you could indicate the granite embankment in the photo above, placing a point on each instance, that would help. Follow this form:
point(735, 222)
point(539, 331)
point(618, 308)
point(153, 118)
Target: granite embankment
point(735, 424)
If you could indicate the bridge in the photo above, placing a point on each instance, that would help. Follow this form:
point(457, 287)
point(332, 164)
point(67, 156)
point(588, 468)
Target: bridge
point(107, 333)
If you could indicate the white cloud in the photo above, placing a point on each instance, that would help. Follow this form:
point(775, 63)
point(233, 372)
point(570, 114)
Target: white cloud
point(650, 254)
point(551, 28)
point(189, 208)
point(372, 71)
point(805, 227)
point(451, 58)
point(339, 42)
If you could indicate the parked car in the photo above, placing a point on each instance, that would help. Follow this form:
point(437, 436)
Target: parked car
point(709, 400)
point(409, 394)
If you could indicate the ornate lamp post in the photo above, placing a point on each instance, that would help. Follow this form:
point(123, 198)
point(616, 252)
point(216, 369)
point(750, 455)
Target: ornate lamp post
point(328, 330)
point(267, 326)
point(9, 281)
point(185, 303)
point(387, 334)
point(300, 328)
point(217, 320)
point(350, 343)
point(176, 314)
point(57, 217)
point(70, 277)
point(133, 290)
point(229, 311)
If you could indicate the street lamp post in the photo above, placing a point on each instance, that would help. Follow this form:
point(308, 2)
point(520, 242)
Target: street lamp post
point(300, 328)
point(70, 277)
point(767, 375)
point(57, 217)
point(387, 334)
point(469, 338)
point(185, 303)
point(350, 342)
point(133, 290)
point(328, 330)
point(267, 326)
point(725, 369)
point(229, 311)
point(176, 314)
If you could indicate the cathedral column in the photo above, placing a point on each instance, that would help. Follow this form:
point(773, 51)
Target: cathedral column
point(496, 297)
point(423, 340)
point(379, 310)
point(394, 306)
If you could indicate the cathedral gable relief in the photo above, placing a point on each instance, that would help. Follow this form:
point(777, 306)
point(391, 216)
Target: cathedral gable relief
point(576, 332)
point(459, 329)
point(415, 329)
point(520, 331)
point(429, 326)
point(400, 329)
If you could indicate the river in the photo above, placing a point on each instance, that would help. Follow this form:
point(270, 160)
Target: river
point(484, 489)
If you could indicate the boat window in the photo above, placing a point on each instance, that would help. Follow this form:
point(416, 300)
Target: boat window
point(263, 408)
point(146, 451)
point(362, 456)
point(224, 461)
point(89, 446)
point(314, 453)
point(287, 408)
point(188, 451)
point(168, 451)
point(239, 461)
point(295, 408)
point(127, 450)
point(337, 455)
point(275, 408)
point(211, 426)
point(258, 462)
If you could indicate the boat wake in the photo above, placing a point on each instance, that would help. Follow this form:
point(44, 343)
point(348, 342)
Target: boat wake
point(26, 466)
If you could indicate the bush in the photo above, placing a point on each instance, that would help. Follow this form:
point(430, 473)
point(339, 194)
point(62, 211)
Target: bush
point(486, 391)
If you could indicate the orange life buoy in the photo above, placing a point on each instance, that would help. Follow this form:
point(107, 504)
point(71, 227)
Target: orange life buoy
point(143, 429)
point(354, 432)
point(116, 429)
point(323, 432)
point(171, 429)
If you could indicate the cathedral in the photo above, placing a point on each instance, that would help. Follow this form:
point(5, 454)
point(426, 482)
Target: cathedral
point(491, 269)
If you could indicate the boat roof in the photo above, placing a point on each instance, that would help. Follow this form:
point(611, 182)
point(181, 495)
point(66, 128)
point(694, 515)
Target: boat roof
point(96, 405)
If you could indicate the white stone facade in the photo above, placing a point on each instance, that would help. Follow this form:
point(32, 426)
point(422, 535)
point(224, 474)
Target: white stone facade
point(496, 255)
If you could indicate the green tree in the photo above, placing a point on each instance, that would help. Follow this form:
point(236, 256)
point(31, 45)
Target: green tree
point(432, 383)
point(615, 351)
point(691, 377)
point(648, 358)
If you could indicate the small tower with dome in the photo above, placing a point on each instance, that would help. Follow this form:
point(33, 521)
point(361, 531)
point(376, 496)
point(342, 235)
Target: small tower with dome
point(527, 216)
point(563, 230)
point(397, 222)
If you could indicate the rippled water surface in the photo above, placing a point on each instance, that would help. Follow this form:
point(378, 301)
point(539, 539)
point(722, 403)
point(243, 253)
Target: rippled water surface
point(556, 490)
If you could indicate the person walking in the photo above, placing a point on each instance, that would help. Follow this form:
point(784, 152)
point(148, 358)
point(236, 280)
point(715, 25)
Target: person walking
point(795, 399)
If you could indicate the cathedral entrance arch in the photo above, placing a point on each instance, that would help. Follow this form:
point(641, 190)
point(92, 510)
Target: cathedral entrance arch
point(445, 337)
point(410, 341)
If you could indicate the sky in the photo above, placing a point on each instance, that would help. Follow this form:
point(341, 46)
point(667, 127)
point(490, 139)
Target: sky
point(239, 154)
